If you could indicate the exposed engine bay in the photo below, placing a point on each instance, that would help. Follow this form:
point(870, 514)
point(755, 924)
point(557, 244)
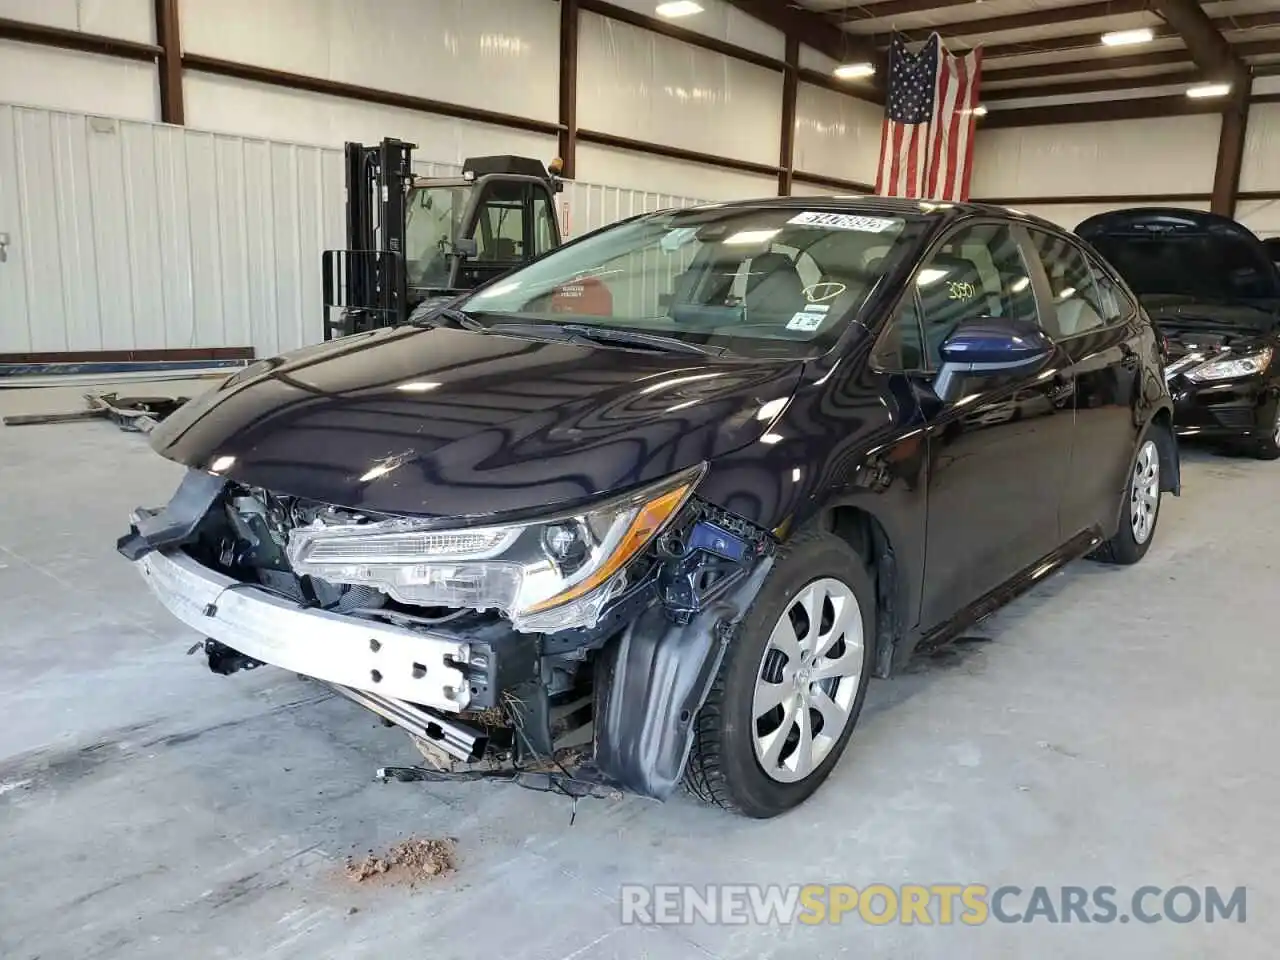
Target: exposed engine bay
point(598, 707)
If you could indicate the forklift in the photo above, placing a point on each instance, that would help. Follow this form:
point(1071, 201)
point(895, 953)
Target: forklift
point(415, 240)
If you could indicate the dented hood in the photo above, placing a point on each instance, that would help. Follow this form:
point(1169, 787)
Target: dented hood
point(443, 422)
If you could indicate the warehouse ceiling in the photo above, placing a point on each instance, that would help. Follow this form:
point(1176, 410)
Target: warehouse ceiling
point(1050, 52)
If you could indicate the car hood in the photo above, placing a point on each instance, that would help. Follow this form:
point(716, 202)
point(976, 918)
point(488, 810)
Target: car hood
point(442, 422)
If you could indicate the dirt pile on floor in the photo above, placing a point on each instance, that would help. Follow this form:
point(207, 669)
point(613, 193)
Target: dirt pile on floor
point(409, 861)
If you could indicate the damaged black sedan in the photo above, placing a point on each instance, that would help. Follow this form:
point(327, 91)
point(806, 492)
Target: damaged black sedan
point(658, 505)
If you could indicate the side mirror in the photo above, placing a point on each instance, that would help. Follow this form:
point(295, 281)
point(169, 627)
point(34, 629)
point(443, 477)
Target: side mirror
point(466, 247)
point(987, 347)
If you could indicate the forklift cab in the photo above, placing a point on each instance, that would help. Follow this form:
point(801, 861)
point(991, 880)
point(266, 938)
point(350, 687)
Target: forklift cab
point(461, 232)
point(413, 239)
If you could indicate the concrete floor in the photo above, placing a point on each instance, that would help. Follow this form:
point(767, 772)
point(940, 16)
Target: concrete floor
point(1118, 729)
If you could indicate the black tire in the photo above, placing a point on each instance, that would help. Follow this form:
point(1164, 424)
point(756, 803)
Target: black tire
point(1269, 447)
point(1125, 548)
point(723, 768)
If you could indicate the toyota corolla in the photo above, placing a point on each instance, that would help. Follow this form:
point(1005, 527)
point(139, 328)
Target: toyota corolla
point(657, 506)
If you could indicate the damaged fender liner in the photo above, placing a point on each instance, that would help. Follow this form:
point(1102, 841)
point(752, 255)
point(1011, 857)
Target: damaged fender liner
point(656, 678)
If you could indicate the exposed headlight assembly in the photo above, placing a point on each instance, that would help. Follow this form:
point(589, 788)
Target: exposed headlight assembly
point(554, 573)
point(1231, 368)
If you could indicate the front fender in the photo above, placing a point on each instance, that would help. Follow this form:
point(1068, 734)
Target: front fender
point(652, 682)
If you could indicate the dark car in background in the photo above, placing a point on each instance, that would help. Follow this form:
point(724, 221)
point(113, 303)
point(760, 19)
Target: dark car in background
point(657, 505)
point(1214, 292)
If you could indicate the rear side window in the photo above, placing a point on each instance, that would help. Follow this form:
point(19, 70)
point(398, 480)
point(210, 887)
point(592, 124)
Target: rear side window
point(1077, 303)
point(1115, 304)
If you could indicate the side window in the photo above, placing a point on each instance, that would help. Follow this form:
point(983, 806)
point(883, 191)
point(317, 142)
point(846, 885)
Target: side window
point(901, 345)
point(977, 272)
point(500, 227)
point(1077, 302)
point(1115, 303)
point(544, 223)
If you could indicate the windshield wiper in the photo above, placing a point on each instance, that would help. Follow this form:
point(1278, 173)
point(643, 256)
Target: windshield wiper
point(452, 314)
point(638, 338)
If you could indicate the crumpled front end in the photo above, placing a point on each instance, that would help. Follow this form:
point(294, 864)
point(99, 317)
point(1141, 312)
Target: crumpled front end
point(595, 691)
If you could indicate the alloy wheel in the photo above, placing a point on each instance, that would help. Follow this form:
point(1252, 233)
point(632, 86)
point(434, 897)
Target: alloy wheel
point(1144, 498)
point(808, 680)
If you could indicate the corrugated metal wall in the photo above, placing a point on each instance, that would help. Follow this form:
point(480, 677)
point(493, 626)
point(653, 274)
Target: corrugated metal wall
point(133, 235)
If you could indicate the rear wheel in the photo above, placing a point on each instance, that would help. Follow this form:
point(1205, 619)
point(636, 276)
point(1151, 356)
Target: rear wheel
point(1141, 507)
point(791, 685)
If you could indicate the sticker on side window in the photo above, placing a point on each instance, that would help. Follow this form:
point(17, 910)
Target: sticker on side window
point(843, 221)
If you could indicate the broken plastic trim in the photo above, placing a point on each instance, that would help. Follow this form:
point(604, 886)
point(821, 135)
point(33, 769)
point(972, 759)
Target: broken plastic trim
point(176, 523)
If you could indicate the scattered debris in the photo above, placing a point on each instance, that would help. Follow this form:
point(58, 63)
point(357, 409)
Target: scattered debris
point(133, 414)
point(410, 861)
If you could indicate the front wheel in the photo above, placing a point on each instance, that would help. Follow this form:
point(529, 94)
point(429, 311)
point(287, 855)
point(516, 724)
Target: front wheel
point(791, 685)
point(1268, 448)
point(1141, 507)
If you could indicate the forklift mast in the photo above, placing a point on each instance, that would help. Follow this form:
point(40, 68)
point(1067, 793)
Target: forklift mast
point(499, 214)
point(366, 282)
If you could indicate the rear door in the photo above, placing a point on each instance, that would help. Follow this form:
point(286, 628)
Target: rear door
point(1104, 335)
point(999, 453)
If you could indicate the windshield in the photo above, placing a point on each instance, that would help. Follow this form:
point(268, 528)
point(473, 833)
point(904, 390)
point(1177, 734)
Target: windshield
point(1199, 266)
point(757, 282)
point(433, 217)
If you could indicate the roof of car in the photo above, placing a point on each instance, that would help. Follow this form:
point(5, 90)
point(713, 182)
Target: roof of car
point(891, 206)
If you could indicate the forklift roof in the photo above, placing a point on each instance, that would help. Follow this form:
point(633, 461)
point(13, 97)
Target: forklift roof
point(520, 166)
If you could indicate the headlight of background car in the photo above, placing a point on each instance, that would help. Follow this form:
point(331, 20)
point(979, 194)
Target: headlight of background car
point(545, 575)
point(1231, 368)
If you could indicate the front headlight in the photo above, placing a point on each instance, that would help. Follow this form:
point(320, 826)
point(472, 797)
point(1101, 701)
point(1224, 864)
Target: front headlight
point(555, 573)
point(1231, 368)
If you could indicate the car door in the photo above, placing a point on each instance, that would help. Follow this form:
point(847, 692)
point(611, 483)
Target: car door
point(999, 452)
point(1102, 332)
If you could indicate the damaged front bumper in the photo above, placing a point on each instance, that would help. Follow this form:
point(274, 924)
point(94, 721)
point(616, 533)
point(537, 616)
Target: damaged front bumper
point(617, 704)
point(364, 655)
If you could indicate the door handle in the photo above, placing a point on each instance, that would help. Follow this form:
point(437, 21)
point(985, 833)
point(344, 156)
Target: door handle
point(4, 247)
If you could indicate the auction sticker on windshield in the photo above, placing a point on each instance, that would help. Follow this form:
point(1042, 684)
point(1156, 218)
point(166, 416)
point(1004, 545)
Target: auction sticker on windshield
point(844, 221)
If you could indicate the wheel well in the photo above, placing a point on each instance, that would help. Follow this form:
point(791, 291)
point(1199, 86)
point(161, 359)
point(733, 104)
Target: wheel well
point(1167, 444)
point(869, 540)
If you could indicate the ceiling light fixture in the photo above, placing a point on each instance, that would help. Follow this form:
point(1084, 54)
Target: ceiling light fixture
point(1125, 38)
point(854, 71)
point(678, 8)
point(1209, 90)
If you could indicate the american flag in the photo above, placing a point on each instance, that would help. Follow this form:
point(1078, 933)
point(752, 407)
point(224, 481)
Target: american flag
point(927, 146)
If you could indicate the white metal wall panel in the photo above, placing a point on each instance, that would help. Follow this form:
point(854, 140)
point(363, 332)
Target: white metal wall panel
point(837, 135)
point(1160, 155)
point(81, 82)
point(495, 54)
point(127, 19)
point(1260, 216)
point(639, 171)
point(138, 235)
point(801, 189)
point(135, 235)
point(1069, 215)
point(1260, 169)
point(585, 206)
point(252, 109)
point(638, 84)
point(723, 21)
point(811, 59)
